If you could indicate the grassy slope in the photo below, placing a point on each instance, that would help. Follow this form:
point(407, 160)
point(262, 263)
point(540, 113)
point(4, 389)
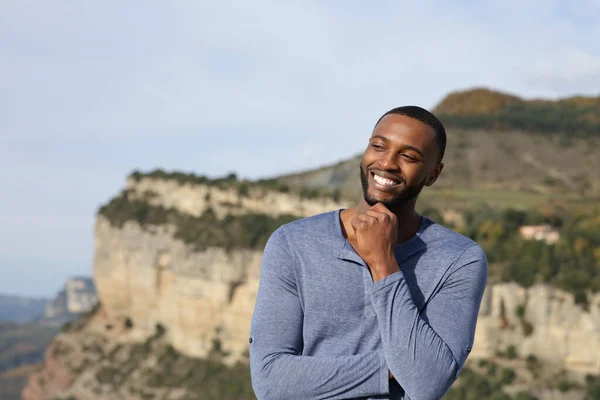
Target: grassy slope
point(498, 168)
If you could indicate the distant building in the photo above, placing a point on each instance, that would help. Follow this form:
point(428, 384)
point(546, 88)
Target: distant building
point(540, 232)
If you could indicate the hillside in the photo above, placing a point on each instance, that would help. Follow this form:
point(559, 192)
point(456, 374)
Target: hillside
point(177, 263)
point(507, 168)
point(22, 350)
point(491, 110)
point(21, 309)
point(506, 164)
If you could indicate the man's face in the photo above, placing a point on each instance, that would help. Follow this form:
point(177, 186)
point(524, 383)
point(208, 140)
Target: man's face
point(401, 158)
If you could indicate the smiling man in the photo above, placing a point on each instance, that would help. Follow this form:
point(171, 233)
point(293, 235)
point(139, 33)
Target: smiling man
point(375, 301)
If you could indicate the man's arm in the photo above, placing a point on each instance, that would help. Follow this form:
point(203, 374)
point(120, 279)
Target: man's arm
point(278, 369)
point(425, 353)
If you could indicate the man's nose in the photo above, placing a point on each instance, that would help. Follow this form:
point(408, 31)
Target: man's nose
point(389, 161)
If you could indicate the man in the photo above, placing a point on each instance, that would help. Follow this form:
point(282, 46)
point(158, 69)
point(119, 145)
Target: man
point(375, 301)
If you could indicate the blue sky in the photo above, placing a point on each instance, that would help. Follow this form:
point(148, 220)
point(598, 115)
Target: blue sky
point(91, 90)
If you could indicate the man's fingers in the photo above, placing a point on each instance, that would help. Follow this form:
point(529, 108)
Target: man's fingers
point(369, 219)
point(380, 207)
point(378, 215)
point(358, 223)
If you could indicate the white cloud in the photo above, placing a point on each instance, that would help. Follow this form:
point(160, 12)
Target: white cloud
point(565, 71)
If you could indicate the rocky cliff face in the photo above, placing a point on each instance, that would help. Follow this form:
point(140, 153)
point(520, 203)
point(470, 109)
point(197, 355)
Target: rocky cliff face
point(78, 296)
point(172, 297)
point(201, 297)
point(540, 321)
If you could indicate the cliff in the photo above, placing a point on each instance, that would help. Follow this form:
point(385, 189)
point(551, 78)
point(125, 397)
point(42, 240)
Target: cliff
point(540, 321)
point(165, 296)
point(200, 294)
point(177, 260)
point(78, 296)
point(168, 296)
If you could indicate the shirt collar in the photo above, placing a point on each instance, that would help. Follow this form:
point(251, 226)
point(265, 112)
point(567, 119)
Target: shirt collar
point(403, 250)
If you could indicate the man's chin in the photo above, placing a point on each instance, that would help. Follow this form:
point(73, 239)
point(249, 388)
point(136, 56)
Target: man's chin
point(372, 200)
point(391, 201)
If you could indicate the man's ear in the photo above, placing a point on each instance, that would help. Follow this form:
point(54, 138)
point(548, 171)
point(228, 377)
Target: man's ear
point(435, 174)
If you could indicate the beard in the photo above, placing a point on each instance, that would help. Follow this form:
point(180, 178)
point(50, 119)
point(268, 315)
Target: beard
point(402, 197)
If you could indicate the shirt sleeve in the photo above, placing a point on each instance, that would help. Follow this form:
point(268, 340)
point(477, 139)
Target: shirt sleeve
point(426, 351)
point(277, 366)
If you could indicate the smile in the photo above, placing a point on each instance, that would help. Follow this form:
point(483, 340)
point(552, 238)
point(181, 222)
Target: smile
point(384, 182)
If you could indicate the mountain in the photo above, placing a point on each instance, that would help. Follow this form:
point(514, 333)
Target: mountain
point(22, 348)
point(177, 263)
point(77, 297)
point(21, 309)
point(483, 108)
point(518, 164)
point(22, 345)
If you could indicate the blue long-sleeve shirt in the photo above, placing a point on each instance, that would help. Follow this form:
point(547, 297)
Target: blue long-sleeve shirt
point(322, 329)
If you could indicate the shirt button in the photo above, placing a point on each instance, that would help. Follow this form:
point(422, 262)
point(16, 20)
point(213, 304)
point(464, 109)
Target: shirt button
point(468, 348)
point(250, 340)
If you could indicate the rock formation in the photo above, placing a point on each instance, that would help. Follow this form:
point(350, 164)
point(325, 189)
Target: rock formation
point(540, 321)
point(78, 296)
point(158, 289)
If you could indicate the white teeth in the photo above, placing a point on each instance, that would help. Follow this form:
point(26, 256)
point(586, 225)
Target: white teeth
point(383, 181)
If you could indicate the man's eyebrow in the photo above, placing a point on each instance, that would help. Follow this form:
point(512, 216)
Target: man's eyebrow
point(414, 149)
point(380, 137)
point(407, 146)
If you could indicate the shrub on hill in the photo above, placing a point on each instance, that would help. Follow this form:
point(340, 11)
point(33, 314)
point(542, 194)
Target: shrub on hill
point(242, 186)
point(248, 231)
point(492, 110)
point(572, 264)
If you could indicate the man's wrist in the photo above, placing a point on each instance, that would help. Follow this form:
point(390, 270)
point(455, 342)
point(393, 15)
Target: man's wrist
point(384, 269)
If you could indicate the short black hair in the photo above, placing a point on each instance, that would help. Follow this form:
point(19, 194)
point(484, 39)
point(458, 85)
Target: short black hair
point(427, 118)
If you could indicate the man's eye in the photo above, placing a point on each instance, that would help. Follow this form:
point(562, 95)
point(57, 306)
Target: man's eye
point(377, 146)
point(409, 157)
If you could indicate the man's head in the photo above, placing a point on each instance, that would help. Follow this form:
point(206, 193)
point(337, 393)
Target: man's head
point(404, 154)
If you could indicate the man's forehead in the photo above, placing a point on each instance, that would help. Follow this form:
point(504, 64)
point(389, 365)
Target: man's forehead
point(402, 124)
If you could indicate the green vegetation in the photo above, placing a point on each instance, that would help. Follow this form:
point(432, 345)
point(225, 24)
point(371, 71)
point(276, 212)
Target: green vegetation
point(23, 344)
point(248, 231)
point(206, 379)
point(490, 110)
point(592, 387)
point(526, 326)
point(572, 263)
point(231, 181)
point(533, 365)
point(472, 385)
point(565, 385)
point(22, 349)
point(185, 179)
point(507, 376)
point(200, 378)
point(511, 352)
point(524, 396)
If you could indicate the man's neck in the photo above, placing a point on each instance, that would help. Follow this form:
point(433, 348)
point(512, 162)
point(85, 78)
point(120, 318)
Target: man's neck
point(409, 221)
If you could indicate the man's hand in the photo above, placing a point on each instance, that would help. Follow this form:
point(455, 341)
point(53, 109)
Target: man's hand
point(376, 233)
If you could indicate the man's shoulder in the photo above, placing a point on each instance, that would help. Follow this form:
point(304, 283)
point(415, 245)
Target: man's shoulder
point(442, 238)
point(315, 224)
point(311, 235)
